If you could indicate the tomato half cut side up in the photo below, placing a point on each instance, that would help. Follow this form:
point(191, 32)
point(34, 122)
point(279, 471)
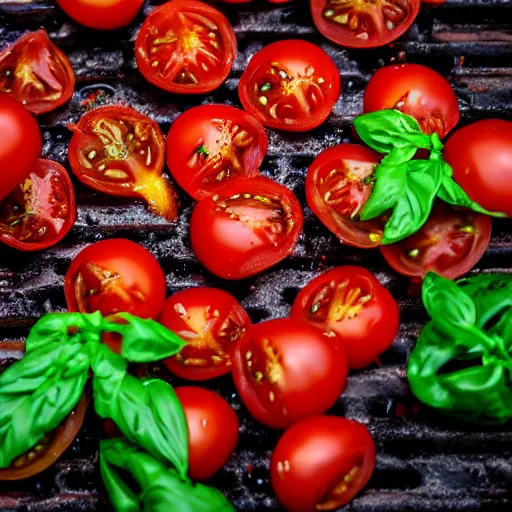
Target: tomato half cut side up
point(211, 321)
point(211, 144)
point(364, 23)
point(290, 85)
point(186, 47)
point(338, 184)
point(450, 243)
point(245, 227)
point(49, 449)
point(119, 151)
point(40, 211)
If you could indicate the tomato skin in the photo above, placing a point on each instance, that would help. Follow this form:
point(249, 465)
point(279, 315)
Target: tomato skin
point(20, 144)
point(481, 157)
point(369, 320)
point(417, 91)
point(317, 456)
point(214, 129)
point(238, 238)
point(286, 370)
point(132, 280)
point(294, 58)
point(213, 430)
point(210, 317)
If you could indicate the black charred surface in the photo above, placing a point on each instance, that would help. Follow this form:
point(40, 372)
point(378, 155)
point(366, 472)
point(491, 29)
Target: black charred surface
point(425, 462)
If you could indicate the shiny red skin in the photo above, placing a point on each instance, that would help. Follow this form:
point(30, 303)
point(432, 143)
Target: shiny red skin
point(303, 371)
point(296, 57)
point(481, 158)
point(314, 456)
point(210, 127)
point(211, 317)
point(212, 429)
point(427, 96)
point(374, 324)
point(232, 249)
point(140, 277)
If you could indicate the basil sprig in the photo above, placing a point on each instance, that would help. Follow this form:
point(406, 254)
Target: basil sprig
point(405, 187)
point(462, 362)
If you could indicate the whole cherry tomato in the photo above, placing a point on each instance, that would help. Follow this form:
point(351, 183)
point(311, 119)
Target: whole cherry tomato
point(185, 46)
point(286, 370)
point(119, 151)
point(114, 276)
point(211, 144)
point(349, 302)
point(481, 157)
point(246, 227)
point(450, 244)
point(363, 24)
point(321, 463)
point(102, 14)
point(212, 431)
point(20, 144)
point(40, 211)
point(211, 321)
point(36, 73)
point(290, 85)
point(338, 183)
point(417, 91)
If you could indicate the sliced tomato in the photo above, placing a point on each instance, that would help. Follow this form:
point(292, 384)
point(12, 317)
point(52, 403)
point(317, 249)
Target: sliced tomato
point(185, 46)
point(211, 144)
point(119, 151)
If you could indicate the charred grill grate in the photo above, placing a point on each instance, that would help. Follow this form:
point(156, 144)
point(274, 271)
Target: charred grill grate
point(425, 462)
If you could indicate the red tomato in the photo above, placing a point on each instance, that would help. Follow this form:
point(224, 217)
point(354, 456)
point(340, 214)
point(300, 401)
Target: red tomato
point(450, 244)
point(321, 463)
point(211, 144)
point(211, 321)
point(417, 91)
point(102, 14)
point(36, 73)
point(115, 276)
point(40, 211)
point(20, 144)
point(433, 2)
point(246, 227)
point(119, 151)
point(286, 370)
point(212, 431)
point(338, 184)
point(364, 24)
point(349, 302)
point(481, 157)
point(185, 46)
point(290, 85)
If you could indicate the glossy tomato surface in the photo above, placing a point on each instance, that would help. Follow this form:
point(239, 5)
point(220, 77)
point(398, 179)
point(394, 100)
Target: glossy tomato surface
point(321, 463)
point(102, 14)
point(211, 144)
point(114, 276)
point(450, 243)
point(40, 211)
point(286, 370)
point(186, 47)
point(212, 430)
point(349, 302)
point(20, 144)
point(290, 85)
point(338, 183)
point(364, 24)
point(36, 73)
point(211, 321)
point(417, 91)
point(119, 151)
point(481, 157)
